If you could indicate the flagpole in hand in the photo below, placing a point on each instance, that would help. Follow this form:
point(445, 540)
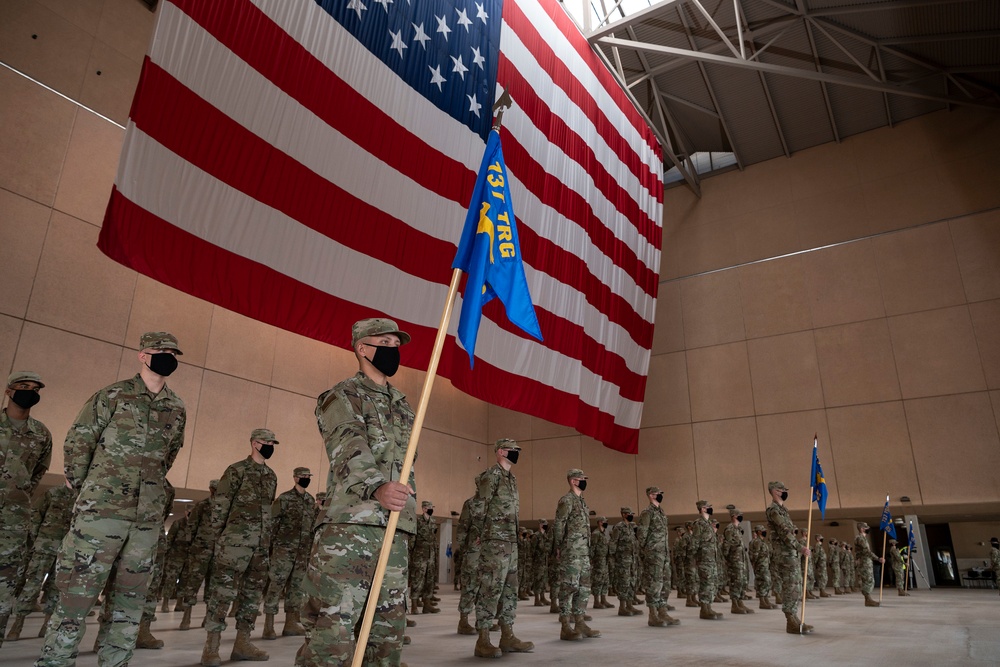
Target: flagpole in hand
point(881, 572)
point(809, 524)
point(909, 555)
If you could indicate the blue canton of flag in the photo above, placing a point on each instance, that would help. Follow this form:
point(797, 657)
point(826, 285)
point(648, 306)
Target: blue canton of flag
point(886, 523)
point(490, 253)
point(818, 484)
point(447, 50)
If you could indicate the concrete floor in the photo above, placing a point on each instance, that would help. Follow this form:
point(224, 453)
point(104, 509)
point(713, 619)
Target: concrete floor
point(939, 627)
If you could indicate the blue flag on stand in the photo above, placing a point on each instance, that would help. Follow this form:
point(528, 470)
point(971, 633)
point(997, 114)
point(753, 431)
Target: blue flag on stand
point(913, 542)
point(490, 254)
point(886, 523)
point(818, 482)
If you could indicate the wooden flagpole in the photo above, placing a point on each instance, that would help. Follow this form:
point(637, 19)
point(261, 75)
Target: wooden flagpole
point(411, 451)
point(881, 572)
point(909, 554)
point(805, 570)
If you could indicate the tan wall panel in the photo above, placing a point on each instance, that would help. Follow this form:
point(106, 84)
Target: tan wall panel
point(971, 539)
point(936, 353)
point(542, 429)
point(157, 307)
point(713, 312)
point(785, 373)
point(767, 232)
point(504, 423)
point(856, 363)
point(291, 418)
point(73, 368)
point(890, 151)
point(833, 217)
point(550, 461)
point(720, 382)
point(128, 26)
point(228, 410)
point(77, 288)
point(845, 285)
point(691, 249)
point(977, 245)
point(918, 270)
point(240, 346)
point(904, 200)
point(872, 454)
point(301, 365)
point(786, 456)
point(23, 226)
point(972, 179)
point(666, 397)
point(85, 14)
point(995, 400)
point(612, 477)
point(469, 417)
point(986, 324)
point(666, 459)
point(727, 461)
point(524, 470)
point(43, 123)
point(775, 297)
point(109, 83)
point(668, 334)
point(956, 448)
point(820, 170)
point(439, 414)
point(57, 57)
point(89, 170)
point(10, 332)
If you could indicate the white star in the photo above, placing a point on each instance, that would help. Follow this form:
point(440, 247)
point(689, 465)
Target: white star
point(443, 26)
point(474, 105)
point(385, 4)
point(463, 19)
point(477, 57)
point(482, 13)
point(397, 42)
point(458, 66)
point(436, 76)
point(357, 6)
point(421, 36)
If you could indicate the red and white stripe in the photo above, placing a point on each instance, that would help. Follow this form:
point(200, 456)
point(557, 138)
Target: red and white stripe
point(273, 166)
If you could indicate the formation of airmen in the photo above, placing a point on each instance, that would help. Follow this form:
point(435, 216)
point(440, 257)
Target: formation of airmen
point(102, 534)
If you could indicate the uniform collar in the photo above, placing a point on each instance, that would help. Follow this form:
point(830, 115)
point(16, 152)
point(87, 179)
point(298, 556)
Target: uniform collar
point(31, 424)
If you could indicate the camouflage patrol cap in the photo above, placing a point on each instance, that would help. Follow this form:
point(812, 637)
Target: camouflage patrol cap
point(302, 471)
point(376, 326)
point(833, 542)
point(159, 340)
point(892, 541)
point(759, 528)
point(321, 495)
point(264, 435)
point(214, 484)
point(506, 443)
point(688, 524)
point(426, 505)
point(575, 473)
point(862, 524)
point(602, 519)
point(771, 486)
point(626, 510)
point(543, 522)
point(734, 511)
point(24, 376)
point(818, 537)
point(702, 503)
point(650, 490)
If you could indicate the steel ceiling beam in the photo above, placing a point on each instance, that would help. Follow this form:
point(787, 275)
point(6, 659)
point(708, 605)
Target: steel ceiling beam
point(882, 6)
point(740, 19)
point(940, 37)
point(822, 84)
point(631, 19)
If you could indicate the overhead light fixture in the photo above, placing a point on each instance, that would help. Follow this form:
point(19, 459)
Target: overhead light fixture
point(904, 499)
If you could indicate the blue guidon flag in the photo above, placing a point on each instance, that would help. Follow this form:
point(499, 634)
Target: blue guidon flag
point(818, 481)
point(885, 524)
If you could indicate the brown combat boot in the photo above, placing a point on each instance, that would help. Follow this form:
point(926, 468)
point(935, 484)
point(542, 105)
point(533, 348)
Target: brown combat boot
point(543, 599)
point(654, 619)
point(484, 649)
point(292, 627)
point(691, 602)
point(429, 607)
point(244, 650)
point(464, 628)
point(45, 625)
point(585, 630)
point(667, 618)
point(554, 605)
point(632, 611)
point(538, 602)
point(811, 596)
point(567, 631)
point(735, 608)
point(871, 602)
point(823, 593)
point(269, 632)
point(743, 606)
point(165, 607)
point(765, 603)
point(777, 599)
point(414, 609)
point(410, 623)
point(509, 643)
point(15, 630)
point(179, 605)
point(707, 613)
point(145, 638)
point(622, 610)
point(902, 593)
point(837, 590)
point(186, 619)
point(794, 626)
point(210, 654)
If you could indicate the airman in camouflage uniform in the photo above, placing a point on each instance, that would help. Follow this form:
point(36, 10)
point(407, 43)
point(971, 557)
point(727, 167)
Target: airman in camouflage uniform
point(599, 564)
point(896, 560)
point(523, 564)
point(469, 549)
point(52, 515)
point(760, 560)
point(25, 454)
point(734, 552)
point(785, 552)
point(821, 563)
point(422, 573)
point(177, 551)
point(994, 559)
point(494, 526)
point(654, 551)
point(863, 559)
point(571, 541)
point(292, 516)
point(117, 455)
point(835, 569)
point(677, 557)
point(365, 423)
point(851, 570)
point(622, 548)
point(541, 546)
point(200, 554)
point(705, 548)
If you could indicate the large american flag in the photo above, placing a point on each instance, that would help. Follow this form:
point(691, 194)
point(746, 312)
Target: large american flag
point(309, 163)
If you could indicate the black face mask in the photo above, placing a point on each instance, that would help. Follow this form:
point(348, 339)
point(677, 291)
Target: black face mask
point(582, 484)
point(266, 451)
point(604, 525)
point(739, 517)
point(385, 360)
point(162, 363)
point(512, 455)
point(430, 512)
point(629, 517)
point(709, 510)
point(304, 481)
point(25, 398)
point(784, 495)
point(763, 533)
point(659, 497)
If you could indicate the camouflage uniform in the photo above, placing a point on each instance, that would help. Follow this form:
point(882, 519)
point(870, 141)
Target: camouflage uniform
point(863, 559)
point(200, 553)
point(523, 557)
point(785, 552)
point(571, 541)
point(654, 551)
point(622, 547)
point(541, 547)
point(760, 560)
point(896, 560)
point(994, 561)
point(177, 551)
point(835, 569)
point(820, 564)
point(292, 517)
point(423, 576)
point(705, 549)
point(117, 455)
point(734, 552)
point(599, 562)
point(25, 454)
point(366, 428)
point(470, 560)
